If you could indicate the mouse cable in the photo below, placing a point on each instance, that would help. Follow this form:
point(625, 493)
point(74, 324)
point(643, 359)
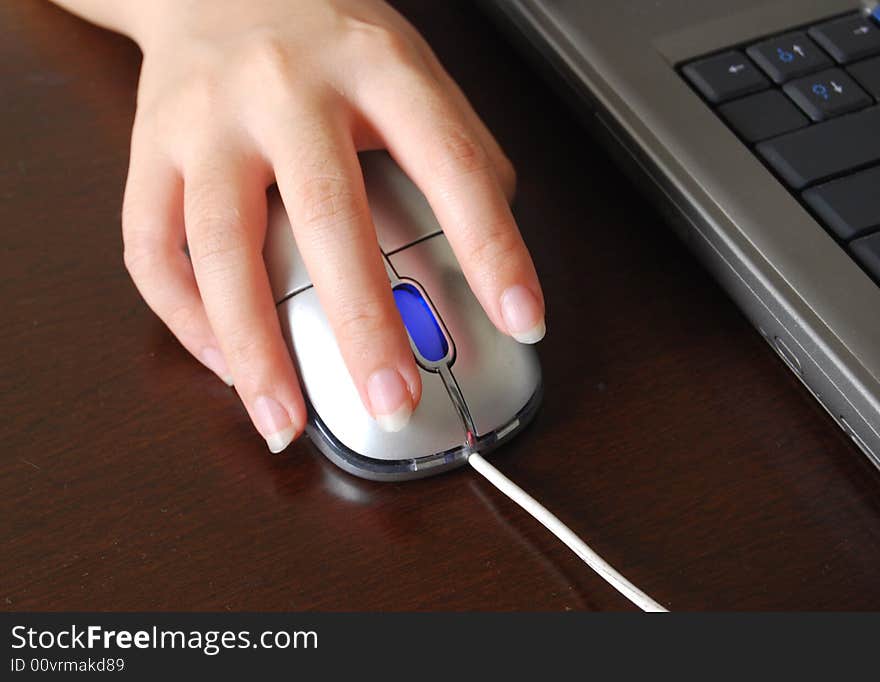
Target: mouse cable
point(564, 533)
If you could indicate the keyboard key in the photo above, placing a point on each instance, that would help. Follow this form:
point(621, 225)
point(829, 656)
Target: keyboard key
point(848, 39)
point(725, 76)
point(759, 117)
point(827, 94)
point(868, 74)
point(850, 206)
point(867, 252)
point(788, 56)
point(824, 150)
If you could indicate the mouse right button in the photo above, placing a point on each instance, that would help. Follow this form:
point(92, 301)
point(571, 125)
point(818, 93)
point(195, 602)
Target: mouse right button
point(498, 376)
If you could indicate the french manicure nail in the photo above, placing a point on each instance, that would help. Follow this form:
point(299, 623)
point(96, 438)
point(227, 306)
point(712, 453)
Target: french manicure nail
point(213, 360)
point(389, 399)
point(522, 314)
point(273, 422)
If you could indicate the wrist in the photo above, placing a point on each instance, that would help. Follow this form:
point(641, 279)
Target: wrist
point(135, 18)
point(142, 21)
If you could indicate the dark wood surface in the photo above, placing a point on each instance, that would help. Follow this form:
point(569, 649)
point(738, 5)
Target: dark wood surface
point(670, 437)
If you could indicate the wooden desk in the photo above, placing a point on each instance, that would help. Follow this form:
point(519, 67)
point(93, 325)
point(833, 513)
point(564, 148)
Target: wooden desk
point(671, 437)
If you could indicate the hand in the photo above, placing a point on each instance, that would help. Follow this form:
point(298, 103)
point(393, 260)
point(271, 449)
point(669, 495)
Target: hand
point(234, 96)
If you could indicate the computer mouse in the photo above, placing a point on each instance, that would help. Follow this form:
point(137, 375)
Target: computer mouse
point(479, 386)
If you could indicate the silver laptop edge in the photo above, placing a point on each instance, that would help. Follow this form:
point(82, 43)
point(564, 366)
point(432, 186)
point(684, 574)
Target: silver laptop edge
point(798, 287)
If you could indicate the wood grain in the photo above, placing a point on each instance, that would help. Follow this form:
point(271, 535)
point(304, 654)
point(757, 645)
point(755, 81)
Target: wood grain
point(670, 436)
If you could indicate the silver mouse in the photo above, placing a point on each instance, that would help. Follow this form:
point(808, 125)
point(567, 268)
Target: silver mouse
point(479, 386)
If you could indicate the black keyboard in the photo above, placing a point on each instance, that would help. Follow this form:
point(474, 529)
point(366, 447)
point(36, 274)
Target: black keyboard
point(807, 102)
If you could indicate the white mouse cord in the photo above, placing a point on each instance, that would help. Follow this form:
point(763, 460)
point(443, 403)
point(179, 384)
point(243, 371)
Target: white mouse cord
point(564, 533)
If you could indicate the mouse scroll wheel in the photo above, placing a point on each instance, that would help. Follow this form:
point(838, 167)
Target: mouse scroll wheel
point(428, 338)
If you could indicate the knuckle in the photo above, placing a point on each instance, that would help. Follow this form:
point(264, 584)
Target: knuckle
point(268, 52)
point(494, 245)
point(140, 253)
point(138, 259)
point(216, 234)
point(506, 175)
point(184, 105)
point(327, 201)
point(130, 217)
point(146, 132)
point(269, 58)
point(199, 97)
point(378, 42)
point(359, 323)
point(245, 349)
point(183, 321)
point(456, 153)
point(141, 232)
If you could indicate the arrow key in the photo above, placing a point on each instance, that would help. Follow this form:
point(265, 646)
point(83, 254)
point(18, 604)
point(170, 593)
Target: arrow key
point(827, 94)
point(850, 38)
point(788, 56)
point(725, 76)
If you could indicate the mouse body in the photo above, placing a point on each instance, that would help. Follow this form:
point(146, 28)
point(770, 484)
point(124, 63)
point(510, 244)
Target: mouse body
point(479, 386)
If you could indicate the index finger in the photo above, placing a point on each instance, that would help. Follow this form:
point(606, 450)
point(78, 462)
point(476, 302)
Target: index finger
point(319, 178)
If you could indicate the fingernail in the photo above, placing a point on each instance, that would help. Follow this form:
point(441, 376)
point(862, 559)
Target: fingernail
point(390, 399)
point(273, 422)
point(522, 314)
point(214, 361)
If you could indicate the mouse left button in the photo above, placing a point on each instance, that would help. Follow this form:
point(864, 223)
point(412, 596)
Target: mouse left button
point(400, 212)
point(287, 272)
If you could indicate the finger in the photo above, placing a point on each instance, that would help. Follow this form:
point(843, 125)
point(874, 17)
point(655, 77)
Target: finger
point(225, 211)
point(320, 181)
point(153, 234)
point(502, 165)
point(434, 144)
point(417, 49)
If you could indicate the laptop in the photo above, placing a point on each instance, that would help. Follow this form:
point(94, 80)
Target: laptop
point(755, 127)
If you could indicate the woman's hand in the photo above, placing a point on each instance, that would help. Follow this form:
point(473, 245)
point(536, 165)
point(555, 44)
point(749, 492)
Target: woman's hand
point(234, 96)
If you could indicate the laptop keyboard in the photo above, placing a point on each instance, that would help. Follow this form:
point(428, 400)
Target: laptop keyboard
point(808, 104)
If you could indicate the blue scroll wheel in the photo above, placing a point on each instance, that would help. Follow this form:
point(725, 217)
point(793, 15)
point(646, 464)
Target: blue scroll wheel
point(419, 320)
